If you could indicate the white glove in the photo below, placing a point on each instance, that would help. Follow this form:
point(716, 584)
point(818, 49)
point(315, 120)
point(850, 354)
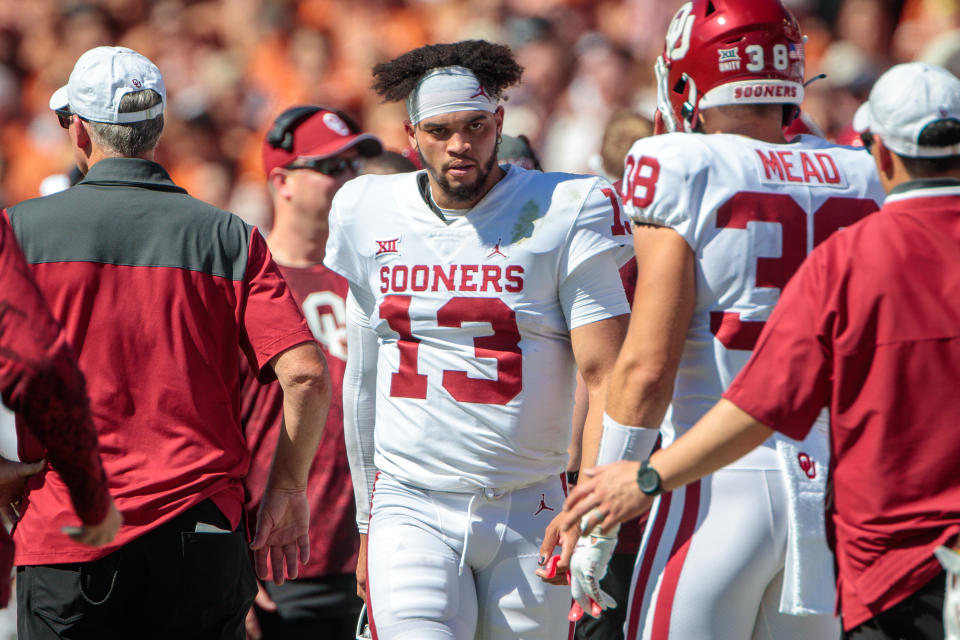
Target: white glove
point(588, 566)
point(950, 560)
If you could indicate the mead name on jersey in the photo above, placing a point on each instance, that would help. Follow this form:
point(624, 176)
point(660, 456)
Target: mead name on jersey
point(798, 166)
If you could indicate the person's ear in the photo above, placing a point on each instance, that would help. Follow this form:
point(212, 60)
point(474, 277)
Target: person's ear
point(411, 134)
point(80, 134)
point(278, 181)
point(884, 157)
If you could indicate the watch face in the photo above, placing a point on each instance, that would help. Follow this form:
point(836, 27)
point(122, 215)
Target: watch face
point(648, 479)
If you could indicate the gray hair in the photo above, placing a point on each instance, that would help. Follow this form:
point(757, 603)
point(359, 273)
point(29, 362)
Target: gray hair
point(134, 139)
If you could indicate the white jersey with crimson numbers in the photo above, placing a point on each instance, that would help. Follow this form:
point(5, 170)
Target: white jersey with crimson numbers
point(751, 211)
point(475, 374)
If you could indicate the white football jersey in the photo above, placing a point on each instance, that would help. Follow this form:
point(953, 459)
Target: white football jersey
point(475, 375)
point(751, 211)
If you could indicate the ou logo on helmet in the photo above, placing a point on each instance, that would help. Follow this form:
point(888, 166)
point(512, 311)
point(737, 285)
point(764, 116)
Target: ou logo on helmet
point(678, 33)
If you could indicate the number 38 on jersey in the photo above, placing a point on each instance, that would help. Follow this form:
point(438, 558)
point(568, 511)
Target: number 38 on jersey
point(749, 239)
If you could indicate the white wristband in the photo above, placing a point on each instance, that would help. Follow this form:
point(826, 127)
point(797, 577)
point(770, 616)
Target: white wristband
point(620, 442)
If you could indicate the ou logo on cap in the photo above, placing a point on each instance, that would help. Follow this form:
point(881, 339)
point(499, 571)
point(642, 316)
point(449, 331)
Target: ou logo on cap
point(336, 124)
point(136, 83)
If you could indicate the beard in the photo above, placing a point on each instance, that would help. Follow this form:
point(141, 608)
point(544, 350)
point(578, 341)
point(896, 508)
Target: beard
point(463, 192)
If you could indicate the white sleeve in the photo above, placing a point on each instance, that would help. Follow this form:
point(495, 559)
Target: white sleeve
point(359, 402)
point(594, 291)
point(592, 231)
point(341, 256)
point(663, 181)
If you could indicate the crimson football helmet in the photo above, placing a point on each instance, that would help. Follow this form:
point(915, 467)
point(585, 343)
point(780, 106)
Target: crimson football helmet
point(721, 52)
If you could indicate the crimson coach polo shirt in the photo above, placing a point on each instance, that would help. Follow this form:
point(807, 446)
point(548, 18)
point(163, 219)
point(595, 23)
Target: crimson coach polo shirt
point(870, 327)
point(334, 540)
point(155, 290)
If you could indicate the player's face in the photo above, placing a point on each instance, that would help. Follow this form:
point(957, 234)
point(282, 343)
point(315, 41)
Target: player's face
point(459, 152)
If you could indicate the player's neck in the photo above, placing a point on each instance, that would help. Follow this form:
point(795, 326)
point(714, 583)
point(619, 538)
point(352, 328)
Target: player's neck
point(444, 201)
point(772, 134)
point(298, 242)
point(764, 129)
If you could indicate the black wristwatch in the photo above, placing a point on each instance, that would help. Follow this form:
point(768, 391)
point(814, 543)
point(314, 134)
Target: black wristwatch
point(648, 479)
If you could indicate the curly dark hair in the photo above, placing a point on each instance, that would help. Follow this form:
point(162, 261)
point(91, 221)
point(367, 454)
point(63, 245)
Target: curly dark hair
point(493, 65)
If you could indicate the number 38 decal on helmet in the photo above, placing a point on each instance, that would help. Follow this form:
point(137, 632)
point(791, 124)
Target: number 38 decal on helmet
point(722, 52)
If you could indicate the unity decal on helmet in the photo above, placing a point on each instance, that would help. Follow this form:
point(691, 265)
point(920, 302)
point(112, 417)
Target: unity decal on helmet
point(729, 59)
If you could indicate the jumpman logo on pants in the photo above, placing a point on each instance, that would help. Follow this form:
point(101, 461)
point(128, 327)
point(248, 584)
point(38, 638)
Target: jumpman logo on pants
point(543, 504)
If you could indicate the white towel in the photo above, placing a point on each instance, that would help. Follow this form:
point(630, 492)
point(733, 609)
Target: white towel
point(950, 560)
point(809, 584)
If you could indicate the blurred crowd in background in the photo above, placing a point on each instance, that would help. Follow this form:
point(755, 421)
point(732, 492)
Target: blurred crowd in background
point(231, 65)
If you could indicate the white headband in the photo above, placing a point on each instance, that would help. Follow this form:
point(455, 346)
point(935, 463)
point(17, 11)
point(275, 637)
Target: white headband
point(448, 90)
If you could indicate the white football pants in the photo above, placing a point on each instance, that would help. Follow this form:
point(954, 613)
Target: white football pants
point(444, 566)
point(711, 564)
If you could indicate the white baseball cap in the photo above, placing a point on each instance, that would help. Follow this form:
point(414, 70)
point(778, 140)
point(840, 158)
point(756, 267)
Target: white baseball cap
point(904, 101)
point(100, 79)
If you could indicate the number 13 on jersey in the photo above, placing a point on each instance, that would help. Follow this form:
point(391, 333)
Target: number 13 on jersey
point(503, 346)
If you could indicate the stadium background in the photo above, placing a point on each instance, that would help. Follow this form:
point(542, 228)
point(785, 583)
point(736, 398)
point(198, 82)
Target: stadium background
point(231, 65)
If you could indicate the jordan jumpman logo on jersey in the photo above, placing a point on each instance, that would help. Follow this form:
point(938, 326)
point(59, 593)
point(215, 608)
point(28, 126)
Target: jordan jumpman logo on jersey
point(497, 251)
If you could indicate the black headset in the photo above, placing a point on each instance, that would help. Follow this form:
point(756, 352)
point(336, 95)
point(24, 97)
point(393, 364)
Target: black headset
point(280, 135)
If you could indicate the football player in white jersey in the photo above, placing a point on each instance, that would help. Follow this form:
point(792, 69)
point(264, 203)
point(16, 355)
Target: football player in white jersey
point(721, 223)
point(477, 290)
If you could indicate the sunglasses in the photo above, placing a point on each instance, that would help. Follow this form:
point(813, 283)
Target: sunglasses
point(867, 139)
point(65, 116)
point(332, 167)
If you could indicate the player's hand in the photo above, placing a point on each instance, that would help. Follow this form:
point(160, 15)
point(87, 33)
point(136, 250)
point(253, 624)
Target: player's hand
point(607, 496)
point(263, 601)
point(362, 568)
point(13, 481)
point(587, 567)
point(553, 569)
point(282, 534)
point(97, 535)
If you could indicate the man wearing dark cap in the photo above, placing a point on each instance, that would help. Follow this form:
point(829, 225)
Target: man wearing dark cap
point(308, 154)
point(869, 327)
point(158, 294)
point(517, 150)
